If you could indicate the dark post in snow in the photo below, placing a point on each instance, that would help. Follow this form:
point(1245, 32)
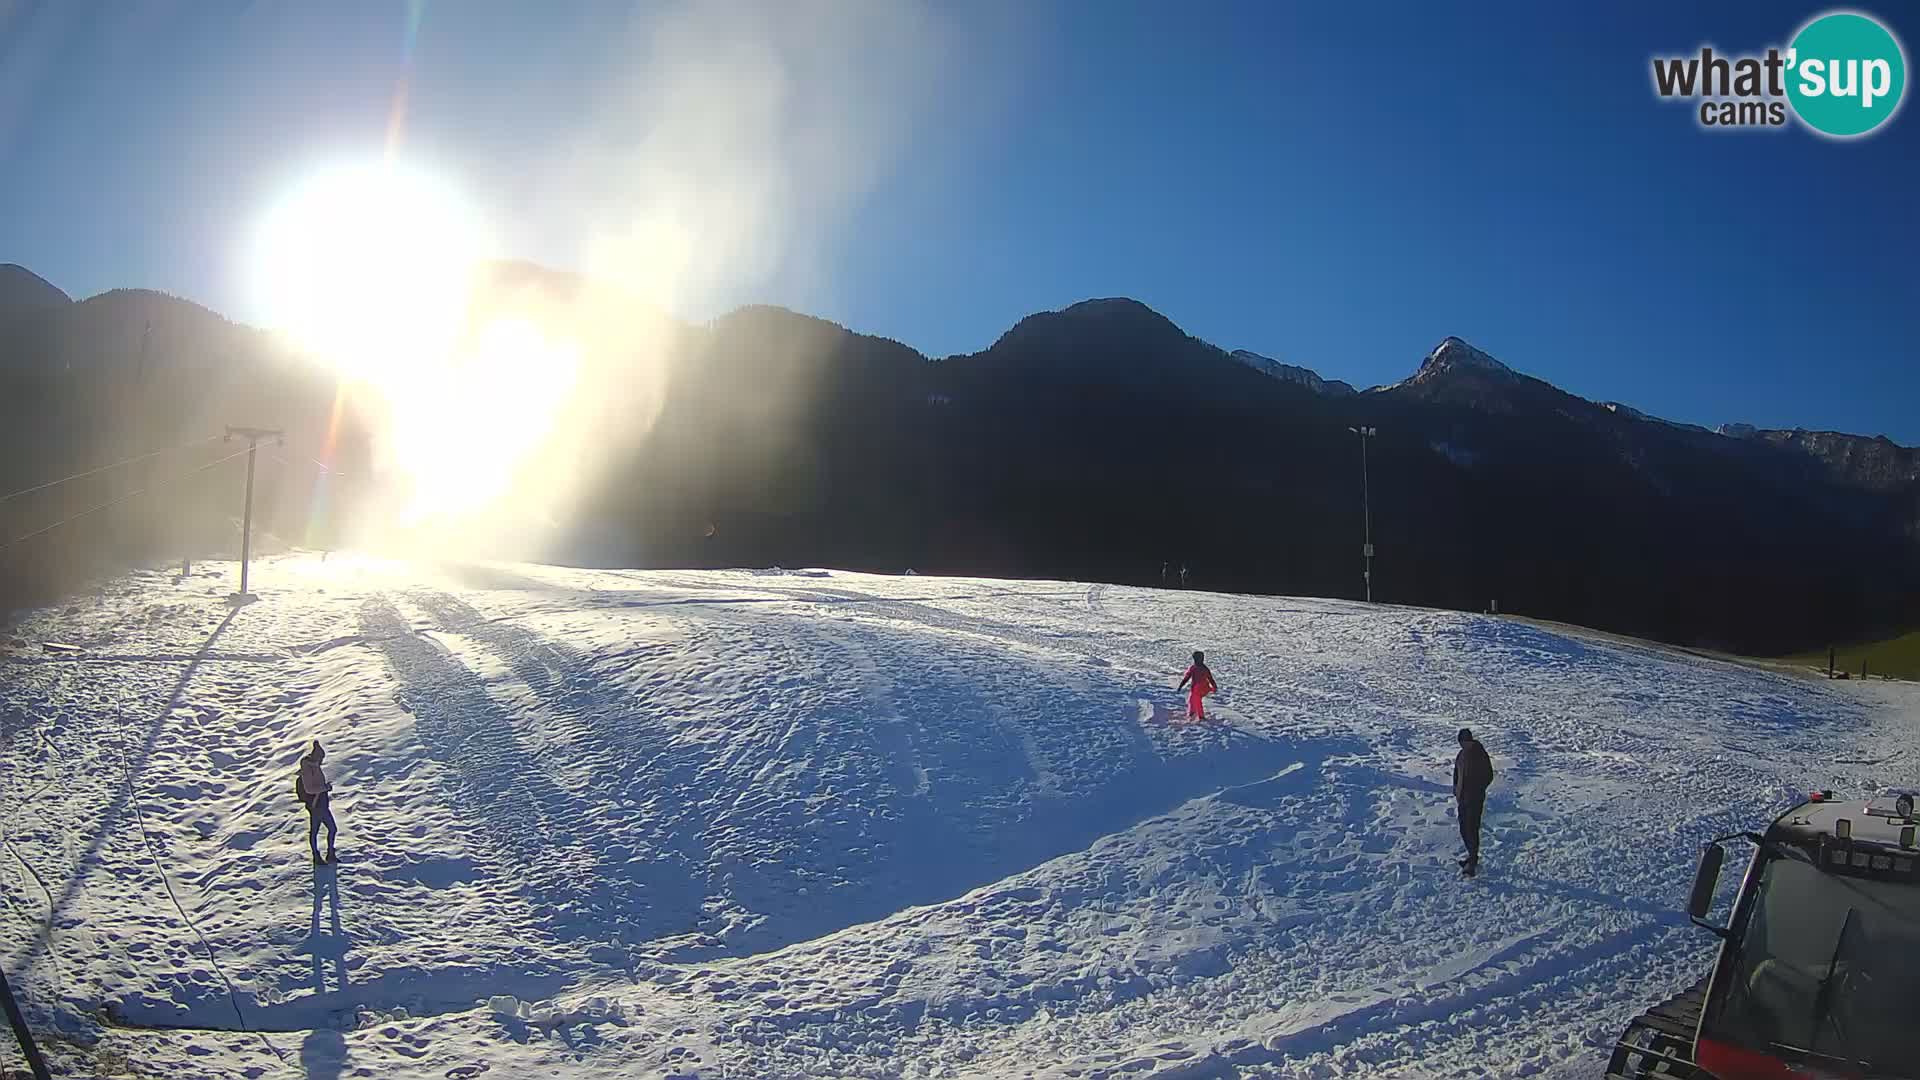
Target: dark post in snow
point(253, 437)
point(22, 1033)
point(1830, 661)
point(1366, 509)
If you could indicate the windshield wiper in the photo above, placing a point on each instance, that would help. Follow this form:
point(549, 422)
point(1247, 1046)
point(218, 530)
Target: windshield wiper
point(1823, 1014)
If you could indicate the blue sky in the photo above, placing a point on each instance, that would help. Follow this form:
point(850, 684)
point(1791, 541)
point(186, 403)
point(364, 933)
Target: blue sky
point(1338, 186)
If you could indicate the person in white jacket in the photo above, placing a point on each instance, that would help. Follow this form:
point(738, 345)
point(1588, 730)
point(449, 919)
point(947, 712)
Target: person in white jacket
point(316, 792)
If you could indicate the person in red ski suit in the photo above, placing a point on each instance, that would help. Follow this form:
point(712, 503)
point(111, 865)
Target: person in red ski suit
point(1198, 682)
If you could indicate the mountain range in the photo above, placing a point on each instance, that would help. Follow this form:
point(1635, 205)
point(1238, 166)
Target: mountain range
point(1099, 442)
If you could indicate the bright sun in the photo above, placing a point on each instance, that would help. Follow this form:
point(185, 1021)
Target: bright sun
point(371, 268)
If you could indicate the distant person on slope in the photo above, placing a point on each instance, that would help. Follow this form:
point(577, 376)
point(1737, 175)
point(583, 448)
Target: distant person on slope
point(1472, 775)
point(316, 792)
point(1198, 682)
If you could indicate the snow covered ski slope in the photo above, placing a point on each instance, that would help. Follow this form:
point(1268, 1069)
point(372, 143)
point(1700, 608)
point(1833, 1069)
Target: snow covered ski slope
point(603, 824)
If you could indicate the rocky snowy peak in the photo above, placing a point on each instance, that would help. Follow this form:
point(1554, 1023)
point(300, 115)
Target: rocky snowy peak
point(1455, 373)
point(1290, 373)
point(1454, 354)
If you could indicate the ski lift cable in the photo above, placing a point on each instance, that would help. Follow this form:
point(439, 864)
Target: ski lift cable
point(107, 468)
point(315, 462)
point(139, 817)
point(116, 502)
point(43, 930)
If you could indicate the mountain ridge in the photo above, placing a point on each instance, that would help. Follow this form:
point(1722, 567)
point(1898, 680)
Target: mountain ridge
point(22, 292)
point(1294, 373)
point(1096, 442)
point(1453, 354)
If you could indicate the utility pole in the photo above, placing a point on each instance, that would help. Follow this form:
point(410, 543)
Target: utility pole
point(22, 1033)
point(1366, 510)
point(253, 437)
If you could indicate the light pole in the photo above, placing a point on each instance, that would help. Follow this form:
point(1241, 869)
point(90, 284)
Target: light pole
point(1366, 510)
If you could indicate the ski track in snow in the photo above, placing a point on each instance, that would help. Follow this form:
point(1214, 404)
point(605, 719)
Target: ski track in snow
point(785, 824)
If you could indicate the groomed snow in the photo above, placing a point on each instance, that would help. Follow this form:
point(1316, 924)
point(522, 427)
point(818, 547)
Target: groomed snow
point(785, 824)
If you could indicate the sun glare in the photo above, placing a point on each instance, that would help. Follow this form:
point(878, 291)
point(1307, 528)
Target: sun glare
point(464, 435)
point(371, 269)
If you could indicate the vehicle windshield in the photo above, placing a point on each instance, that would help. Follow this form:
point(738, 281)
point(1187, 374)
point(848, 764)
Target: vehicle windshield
point(1828, 966)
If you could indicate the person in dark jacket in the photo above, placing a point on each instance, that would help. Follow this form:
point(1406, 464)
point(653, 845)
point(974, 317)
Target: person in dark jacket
point(1472, 775)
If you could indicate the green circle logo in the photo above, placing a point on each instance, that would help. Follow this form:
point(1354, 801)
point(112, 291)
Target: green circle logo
point(1845, 74)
